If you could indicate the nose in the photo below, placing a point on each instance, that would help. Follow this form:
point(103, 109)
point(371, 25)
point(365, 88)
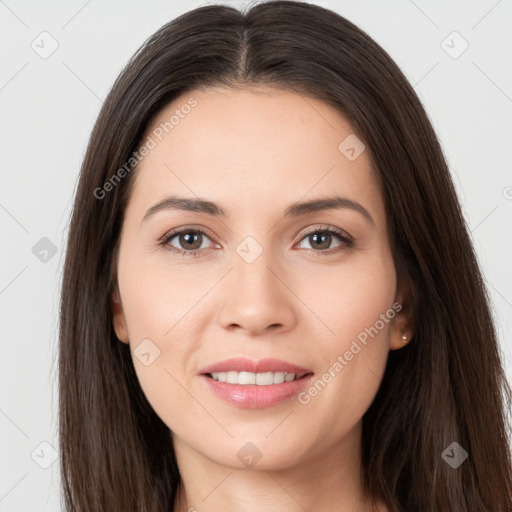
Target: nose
point(256, 299)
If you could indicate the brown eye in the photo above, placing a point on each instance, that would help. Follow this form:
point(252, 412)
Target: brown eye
point(320, 240)
point(186, 241)
point(190, 240)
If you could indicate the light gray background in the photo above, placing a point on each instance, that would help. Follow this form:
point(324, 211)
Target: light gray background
point(48, 106)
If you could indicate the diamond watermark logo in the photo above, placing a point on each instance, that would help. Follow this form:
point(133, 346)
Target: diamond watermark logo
point(249, 249)
point(44, 45)
point(249, 455)
point(454, 45)
point(44, 455)
point(146, 352)
point(44, 250)
point(454, 455)
point(351, 147)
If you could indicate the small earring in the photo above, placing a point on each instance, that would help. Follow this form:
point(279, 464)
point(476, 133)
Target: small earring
point(404, 337)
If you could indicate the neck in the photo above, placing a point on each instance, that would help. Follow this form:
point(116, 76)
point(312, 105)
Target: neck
point(328, 480)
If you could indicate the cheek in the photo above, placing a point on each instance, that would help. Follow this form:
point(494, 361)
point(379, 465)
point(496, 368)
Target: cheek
point(158, 296)
point(162, 315)
point(349, 298)
point(356, 305)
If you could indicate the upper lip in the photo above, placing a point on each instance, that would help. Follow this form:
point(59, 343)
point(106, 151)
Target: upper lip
point(242, 364)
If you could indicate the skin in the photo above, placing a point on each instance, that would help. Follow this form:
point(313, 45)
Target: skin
point(254, 152)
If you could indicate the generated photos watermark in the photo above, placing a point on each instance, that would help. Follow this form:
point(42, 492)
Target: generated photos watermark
point(150, 143)
point(343, 360)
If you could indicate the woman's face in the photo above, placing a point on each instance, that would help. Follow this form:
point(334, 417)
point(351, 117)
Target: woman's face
point(310, 286)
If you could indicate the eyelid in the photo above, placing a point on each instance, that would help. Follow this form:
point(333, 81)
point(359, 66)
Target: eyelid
point(345, 237)
point(322, 227)
point(201, 229)
point(175, 231)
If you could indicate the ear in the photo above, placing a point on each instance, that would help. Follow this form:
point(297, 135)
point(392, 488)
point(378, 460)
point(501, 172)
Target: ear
point(402, 329)
point(119, 319)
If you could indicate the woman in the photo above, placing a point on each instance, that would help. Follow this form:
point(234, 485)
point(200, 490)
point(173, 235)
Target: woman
point(270, 297)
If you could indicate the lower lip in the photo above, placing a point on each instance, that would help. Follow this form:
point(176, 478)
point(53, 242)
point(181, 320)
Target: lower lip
point(256, 397)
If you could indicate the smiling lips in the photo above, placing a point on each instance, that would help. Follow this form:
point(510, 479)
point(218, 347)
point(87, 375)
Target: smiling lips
point(260, 379)
point(255, 384)
point(242, 364)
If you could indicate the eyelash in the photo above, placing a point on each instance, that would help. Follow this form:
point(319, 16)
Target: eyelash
point(347, 241)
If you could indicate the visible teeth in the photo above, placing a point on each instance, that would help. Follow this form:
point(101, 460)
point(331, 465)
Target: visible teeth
point(232, 377)
point(244, 378)
point(260, 379)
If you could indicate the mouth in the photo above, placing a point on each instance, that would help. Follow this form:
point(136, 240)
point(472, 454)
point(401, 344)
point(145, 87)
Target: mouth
point(256, 390)
point(256, 379)
point(255, 384)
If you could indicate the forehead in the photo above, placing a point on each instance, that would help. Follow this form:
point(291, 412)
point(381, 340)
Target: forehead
point(253, 147)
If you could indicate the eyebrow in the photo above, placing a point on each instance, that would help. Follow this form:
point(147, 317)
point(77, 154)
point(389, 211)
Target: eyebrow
point(199, 205)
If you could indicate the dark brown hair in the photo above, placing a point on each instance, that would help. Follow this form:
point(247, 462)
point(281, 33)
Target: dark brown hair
point(448, 384)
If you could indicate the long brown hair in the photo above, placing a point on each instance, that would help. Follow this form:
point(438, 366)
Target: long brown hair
point(447, 385)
